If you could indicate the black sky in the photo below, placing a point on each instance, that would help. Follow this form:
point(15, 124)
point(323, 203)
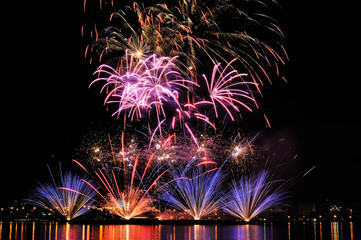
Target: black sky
point(47, 106)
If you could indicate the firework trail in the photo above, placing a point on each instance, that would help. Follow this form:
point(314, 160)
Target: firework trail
point(69, 195)
point(194, 189)
point(252, 195)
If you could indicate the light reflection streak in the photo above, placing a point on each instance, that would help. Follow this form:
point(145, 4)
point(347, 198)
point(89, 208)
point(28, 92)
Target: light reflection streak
point(83, 232)
point(127, 232)
point(289, 230)
point(215, 232)
point(334, 231)
point(33, 232)
point(341, 232)
point(196, 232)
point(22, 230)
point(49, 230)
point(101, 232)
point(238, 232)
point(45, 230)
point(87, 232)
point(11, 227)
point(67, 228)
point(314, 230)
point(56, 231)
point(16, 230)
point(247, 231)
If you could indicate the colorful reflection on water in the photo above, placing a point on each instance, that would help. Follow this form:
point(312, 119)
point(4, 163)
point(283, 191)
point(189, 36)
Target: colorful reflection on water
point(59, 231)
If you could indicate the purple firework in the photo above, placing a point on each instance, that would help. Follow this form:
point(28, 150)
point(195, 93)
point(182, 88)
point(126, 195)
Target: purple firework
point(69, 196)
point(252, 195)
point(194, 190)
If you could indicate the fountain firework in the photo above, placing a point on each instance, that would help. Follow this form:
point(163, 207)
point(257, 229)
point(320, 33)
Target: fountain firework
point(128, 182)
point(252, 195)
point(195, 190)
point(55, 195)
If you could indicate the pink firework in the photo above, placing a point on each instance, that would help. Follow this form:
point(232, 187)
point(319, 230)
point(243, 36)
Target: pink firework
point(226, 90)
point(143, 85)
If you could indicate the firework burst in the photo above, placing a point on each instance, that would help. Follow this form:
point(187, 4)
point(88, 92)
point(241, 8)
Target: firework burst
point(143, 86)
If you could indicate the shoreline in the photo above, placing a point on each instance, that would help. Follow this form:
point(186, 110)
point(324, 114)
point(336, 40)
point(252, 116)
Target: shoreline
point(155, 222)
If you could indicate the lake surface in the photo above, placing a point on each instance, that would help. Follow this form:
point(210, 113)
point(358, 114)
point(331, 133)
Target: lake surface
point(266, 231)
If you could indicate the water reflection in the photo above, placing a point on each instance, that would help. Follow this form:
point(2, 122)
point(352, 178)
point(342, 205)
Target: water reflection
point(334, 231)
point(54, 230)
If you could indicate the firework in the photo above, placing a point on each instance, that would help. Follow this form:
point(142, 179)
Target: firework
point(252, 195)
point(197, 30)
point(224, 91)
point(239, 155)
point(120, 196)
point(117, 42)
point(127, 183)
point(101, 149)
point(144, 85)
point(195, 34)
point(194, 190)
point(70, 195)
point(157, 86)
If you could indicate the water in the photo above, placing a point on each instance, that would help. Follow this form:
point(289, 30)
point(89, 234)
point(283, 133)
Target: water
point(269, 231)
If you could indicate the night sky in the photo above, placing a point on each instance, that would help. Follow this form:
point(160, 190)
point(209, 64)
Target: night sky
point(47, 106)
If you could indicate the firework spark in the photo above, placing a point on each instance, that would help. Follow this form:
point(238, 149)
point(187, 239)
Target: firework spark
point(252, 195)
